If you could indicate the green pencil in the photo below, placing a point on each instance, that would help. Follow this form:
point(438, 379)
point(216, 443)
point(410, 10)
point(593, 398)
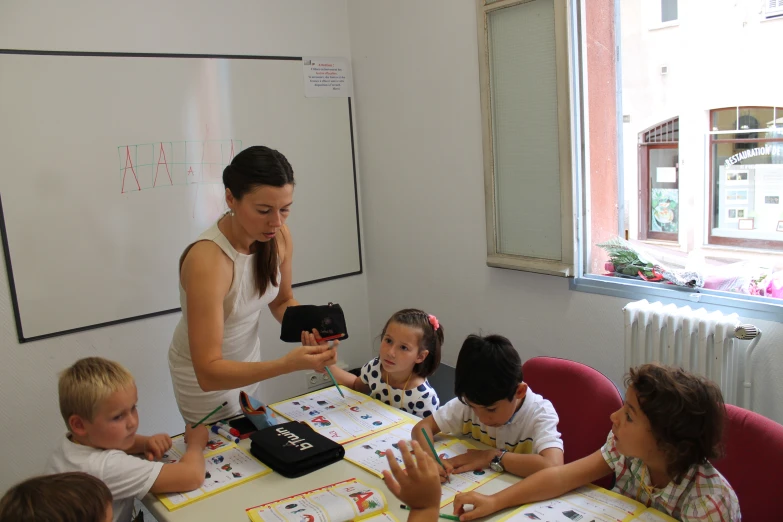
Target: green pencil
point(440, 515)
point(209, 415)
point(432, 447)
point(334, 381)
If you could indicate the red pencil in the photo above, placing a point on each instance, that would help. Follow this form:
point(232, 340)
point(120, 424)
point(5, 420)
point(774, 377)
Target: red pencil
point(330, 338)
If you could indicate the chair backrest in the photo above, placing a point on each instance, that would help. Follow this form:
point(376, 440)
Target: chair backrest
point(752, 462)
point(583, 398)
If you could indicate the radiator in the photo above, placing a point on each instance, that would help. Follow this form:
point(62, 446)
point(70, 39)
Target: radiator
point(706, 343)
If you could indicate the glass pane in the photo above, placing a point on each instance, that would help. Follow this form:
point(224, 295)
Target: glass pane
point(525, 134)
point(668, 10)
point(724, 119)
point(664, 191)
point(699, 202)
point(761, 117)
point(747, 189)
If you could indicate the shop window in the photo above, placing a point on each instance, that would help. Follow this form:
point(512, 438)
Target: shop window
point(746, 183)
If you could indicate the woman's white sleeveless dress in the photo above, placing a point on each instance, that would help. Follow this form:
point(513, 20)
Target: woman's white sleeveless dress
point(241, 313)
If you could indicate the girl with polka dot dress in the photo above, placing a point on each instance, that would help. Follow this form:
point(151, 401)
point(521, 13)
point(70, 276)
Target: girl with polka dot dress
point(410, 352)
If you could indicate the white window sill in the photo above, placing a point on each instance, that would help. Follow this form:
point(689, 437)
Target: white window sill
point(772, 18)
point(724, 253)
point(665, 25)
point(633, 290)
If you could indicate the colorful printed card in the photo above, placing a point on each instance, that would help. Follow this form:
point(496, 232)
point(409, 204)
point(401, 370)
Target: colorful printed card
point(341, 502)
point(460, 482)
point(588, 503)
point(227, 465)
point(370, 454)
point(340, 419)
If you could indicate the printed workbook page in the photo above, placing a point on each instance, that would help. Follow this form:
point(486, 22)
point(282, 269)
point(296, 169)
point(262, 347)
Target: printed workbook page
point(460, 482)
point(341, 419)
point(370, 454)
point(587, 504)
point(178, 447)
point(341, 502)
point(227, 465)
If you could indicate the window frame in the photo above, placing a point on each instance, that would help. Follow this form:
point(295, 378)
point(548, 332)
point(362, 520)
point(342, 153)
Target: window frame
point(565, 266)
point(744, 305)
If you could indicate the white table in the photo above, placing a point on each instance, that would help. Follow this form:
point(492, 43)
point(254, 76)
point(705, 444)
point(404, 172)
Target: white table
point(230, 505)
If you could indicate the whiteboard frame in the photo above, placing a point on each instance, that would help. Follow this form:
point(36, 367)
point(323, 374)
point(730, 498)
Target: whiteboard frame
point(6, 248)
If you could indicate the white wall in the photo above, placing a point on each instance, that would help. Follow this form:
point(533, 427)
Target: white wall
point(417, 94)
point(28, 373)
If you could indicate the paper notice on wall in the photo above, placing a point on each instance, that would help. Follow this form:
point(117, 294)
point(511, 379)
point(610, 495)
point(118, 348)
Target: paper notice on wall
point(666, 175)
point(327, 77)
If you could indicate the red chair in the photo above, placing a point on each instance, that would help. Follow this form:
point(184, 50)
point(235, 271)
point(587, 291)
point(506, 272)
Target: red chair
point(583, 398)
point(752, 462)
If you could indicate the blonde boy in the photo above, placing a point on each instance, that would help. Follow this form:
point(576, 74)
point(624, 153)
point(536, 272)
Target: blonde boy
point(98, 403)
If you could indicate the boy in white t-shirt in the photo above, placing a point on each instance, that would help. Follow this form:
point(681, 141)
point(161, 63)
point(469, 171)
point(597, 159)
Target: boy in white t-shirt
point(98, 402)
point(495, 406)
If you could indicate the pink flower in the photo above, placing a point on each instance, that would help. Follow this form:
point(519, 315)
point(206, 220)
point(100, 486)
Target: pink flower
point(775, 286)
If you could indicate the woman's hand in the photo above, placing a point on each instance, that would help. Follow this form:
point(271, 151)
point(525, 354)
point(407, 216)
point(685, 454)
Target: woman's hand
point(311, 357)
point(314, 339)
point(311, 339)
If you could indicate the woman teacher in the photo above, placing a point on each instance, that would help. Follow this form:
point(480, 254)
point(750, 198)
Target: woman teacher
point(236, 268)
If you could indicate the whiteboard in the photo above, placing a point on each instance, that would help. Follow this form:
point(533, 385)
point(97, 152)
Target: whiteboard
point(112, 164)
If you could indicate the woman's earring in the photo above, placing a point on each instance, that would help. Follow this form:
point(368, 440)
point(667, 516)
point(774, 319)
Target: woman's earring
point(231, 212)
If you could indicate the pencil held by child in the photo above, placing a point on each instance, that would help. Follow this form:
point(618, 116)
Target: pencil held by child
point(435, 454)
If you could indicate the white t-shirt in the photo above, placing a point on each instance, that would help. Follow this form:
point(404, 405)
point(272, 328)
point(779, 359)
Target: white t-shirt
point(421, 401)
point(532, 429)
point(126, 476)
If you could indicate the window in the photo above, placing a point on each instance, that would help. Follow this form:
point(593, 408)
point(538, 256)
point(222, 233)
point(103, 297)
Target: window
point(668, 11)
point(523, 47)
point(747, 177)
point(698, 178)
point(658, 179)
point(675, 149)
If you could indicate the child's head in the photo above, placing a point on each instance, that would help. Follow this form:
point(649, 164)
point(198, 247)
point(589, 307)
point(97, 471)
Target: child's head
point(64, 497)
point(670, 413)
point(98, 403)
point(410, 342)
point(489, 378)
